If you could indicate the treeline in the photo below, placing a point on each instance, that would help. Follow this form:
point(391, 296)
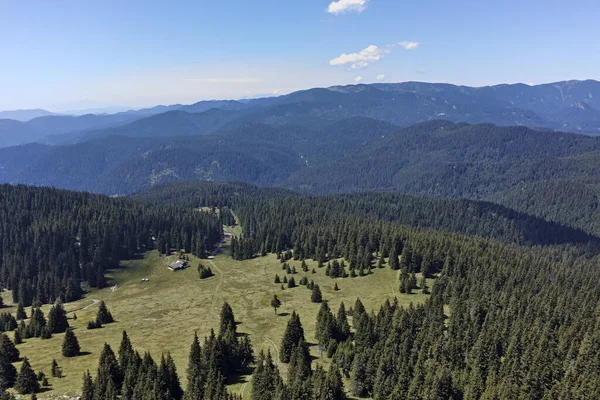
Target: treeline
point(130, 375)
point(262, 209)
point(53, 240)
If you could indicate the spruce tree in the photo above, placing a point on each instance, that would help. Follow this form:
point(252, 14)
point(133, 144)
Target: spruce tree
point(196, 377)
point(294, 332)
point(316, 296)
point(27, 382)
point(227, 319)
point(343, 327)
point(18, 337)
point(110, 376)
point(275, 303)
point(8, 373)
point(87, 390)
point(21, 314)
point(291, 283)
point(57, 319)
point(334, 385)
point(8, 349)
point(325, 327)
point(126, 352)
point(277, 280)
point(336, 287)
point(104, 316)
point(70, 347)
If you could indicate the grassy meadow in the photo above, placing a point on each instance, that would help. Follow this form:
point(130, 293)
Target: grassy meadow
point(162, 314)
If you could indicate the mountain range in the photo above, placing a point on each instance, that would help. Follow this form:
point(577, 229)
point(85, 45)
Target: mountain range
point(503, 144)
point(571, 106)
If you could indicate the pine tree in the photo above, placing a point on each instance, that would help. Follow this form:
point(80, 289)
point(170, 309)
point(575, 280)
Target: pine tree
point(18, 337)
point(291, 283)
point(87, 390)
point(70, 347)
point(227, 319)
point(294, 332)
point(27, 382)
point(334, 386)
point(8, 373)
point(104, 316)
point(57, 319)
point(21, 314)
point(266, 381)
point(343, 327)
point(110, 376)
point(8, 349)
point(393, 260)
point(196, 377)
point(277, 280)
point(325, 327)
point(316, 296)
point(126, 352)
point(275, 303)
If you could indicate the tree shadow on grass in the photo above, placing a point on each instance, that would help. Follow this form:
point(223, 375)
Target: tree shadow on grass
point(283, 314)
point(241, 378)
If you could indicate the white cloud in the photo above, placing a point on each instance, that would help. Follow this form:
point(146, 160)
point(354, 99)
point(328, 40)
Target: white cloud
point(380, 77)
point(342, 6)
point(358, 79)
point(409, 45)
point(362, 58)
point(372, 53)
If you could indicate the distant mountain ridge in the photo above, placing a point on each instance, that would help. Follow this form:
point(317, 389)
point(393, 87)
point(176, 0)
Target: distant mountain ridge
point(24, 115)
point(571, 106)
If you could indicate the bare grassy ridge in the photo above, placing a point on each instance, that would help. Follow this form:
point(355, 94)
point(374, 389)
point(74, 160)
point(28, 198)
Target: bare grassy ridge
point(161, 315)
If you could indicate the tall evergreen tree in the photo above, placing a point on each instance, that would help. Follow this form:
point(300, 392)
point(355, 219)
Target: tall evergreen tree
point(57, 318)
point(8, 349)
point(8, 373)
point(196, 375)
point(21, 314)
point(316, 296)
point(70, 346)
point(87, 390)
point(110, 376)
point(104, 316)
point(294, 332)
point(227, 319)
point(27, 382)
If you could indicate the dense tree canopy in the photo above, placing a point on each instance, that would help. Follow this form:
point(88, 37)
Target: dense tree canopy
point(52, 240)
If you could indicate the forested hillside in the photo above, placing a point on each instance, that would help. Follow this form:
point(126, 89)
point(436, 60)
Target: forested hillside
point(53, 240)
point(437, 158)
point(502, 322)
point(259, 207)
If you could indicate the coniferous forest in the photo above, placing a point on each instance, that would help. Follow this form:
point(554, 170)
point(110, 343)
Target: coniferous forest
point(54, 240)
point(512, 311)
point(507, 317)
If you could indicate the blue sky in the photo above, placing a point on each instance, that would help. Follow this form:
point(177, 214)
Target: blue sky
point(67, 54)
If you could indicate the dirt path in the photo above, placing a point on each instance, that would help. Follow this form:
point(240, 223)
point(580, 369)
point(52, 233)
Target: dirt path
point(221, 274)
point(94, 302)
point(276, 348)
